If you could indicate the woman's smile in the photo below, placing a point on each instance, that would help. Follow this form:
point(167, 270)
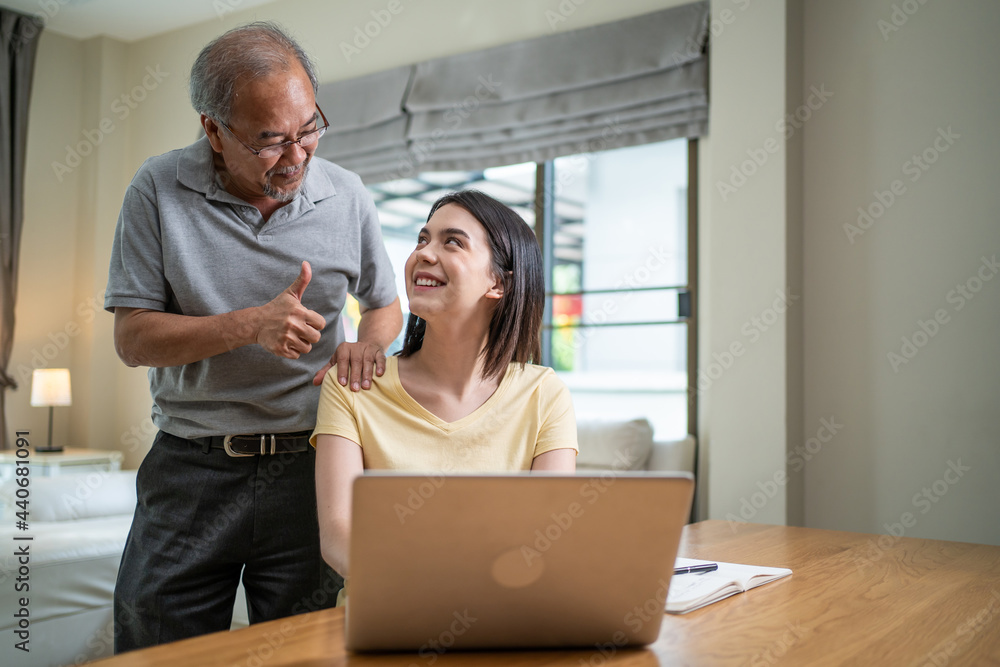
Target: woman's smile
point(424, 280)
point(453, 252)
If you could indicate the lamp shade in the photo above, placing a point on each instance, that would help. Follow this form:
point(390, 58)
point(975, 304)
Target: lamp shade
point(50, 386)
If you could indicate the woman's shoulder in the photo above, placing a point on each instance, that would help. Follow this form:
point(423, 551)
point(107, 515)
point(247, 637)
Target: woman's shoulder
point(533, 375)
point(389, 380)
point(386, 382)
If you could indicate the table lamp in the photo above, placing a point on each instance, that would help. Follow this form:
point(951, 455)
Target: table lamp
point(49, 388)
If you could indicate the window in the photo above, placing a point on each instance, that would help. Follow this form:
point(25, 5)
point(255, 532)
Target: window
point(613, 230)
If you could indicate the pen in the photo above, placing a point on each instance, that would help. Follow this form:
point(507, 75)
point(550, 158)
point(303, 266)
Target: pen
point(697, 569)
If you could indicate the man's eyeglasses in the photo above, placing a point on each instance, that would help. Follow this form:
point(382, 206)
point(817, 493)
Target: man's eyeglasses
point(306, 140)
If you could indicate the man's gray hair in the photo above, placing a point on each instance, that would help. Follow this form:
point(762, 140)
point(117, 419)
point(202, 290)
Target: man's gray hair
point(244, 53)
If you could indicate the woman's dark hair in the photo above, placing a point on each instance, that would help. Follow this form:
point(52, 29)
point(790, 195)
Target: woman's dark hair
point(515, 328)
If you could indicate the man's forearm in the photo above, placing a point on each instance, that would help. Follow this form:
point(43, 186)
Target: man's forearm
point(157, 339)
point(380, 325)
point(283, 327)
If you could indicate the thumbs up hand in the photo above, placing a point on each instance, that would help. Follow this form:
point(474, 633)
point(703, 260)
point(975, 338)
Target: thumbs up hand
point(298, 288)
point(286, 328)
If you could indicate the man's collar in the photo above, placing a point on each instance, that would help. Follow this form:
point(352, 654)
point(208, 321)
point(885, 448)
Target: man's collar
point(195, 170)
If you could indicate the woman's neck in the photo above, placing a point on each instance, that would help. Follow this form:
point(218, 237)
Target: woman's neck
point(451, 359)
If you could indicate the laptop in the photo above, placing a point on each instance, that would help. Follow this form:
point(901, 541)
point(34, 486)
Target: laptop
point(443, 563)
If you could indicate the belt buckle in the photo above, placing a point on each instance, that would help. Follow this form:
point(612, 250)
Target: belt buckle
point(226, 444)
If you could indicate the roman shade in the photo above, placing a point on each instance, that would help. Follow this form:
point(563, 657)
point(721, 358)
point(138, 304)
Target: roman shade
point(630, 82)
point(367, 132)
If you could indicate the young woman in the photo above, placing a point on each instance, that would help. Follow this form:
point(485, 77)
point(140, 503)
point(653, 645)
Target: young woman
point(460, 397)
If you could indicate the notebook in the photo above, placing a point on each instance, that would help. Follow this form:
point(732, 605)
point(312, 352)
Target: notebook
point(690, 592)
point(511, 561)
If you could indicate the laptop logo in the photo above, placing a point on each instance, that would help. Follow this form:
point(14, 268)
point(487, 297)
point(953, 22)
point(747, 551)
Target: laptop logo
point(512, 570)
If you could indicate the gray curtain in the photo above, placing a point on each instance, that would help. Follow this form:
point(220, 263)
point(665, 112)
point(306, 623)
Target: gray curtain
point(19, 36)
point(629, 82)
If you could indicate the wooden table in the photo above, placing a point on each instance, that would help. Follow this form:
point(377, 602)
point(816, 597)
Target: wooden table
point(854, 599)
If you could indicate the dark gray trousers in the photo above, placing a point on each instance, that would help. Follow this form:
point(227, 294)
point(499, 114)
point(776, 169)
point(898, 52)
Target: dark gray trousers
point(202, 519)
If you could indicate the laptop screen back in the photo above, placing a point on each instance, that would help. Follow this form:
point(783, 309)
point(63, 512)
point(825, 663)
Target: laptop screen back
point(511, 561)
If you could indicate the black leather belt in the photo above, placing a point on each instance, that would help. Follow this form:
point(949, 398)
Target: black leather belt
point(258, 443)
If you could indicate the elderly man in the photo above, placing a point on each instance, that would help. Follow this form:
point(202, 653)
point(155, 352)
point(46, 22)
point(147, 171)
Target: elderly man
point(208, 237)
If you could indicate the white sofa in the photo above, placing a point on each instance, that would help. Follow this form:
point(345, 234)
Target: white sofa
point(623, 445)
point(80, 523)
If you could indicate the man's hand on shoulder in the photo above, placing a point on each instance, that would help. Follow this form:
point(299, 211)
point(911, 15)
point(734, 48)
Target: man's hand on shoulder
point(285, 327)
point(354, 363)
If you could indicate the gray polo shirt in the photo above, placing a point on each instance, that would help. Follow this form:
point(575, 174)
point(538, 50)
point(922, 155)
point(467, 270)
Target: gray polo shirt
point(185, 245)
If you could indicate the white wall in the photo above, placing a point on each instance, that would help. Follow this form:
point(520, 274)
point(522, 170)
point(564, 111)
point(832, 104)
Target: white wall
point(876, 436)
point(78, 167)
point(902, 426)
point(46, 317)
point(747, 294)
point(857, 300)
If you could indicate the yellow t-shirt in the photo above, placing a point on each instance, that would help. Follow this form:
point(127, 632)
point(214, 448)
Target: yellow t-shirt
point(529, 414)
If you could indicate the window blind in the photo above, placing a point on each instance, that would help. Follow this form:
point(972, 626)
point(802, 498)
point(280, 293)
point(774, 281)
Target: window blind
point(634, 81)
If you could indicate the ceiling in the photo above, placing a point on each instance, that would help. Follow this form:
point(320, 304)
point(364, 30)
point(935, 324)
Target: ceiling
point(126, 20)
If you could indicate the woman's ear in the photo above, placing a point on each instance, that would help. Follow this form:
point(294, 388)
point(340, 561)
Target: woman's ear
point(496, 291)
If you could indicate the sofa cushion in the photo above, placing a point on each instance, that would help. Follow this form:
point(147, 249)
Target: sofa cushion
point(75, 496)
point(73, 566)
point(614, 445)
